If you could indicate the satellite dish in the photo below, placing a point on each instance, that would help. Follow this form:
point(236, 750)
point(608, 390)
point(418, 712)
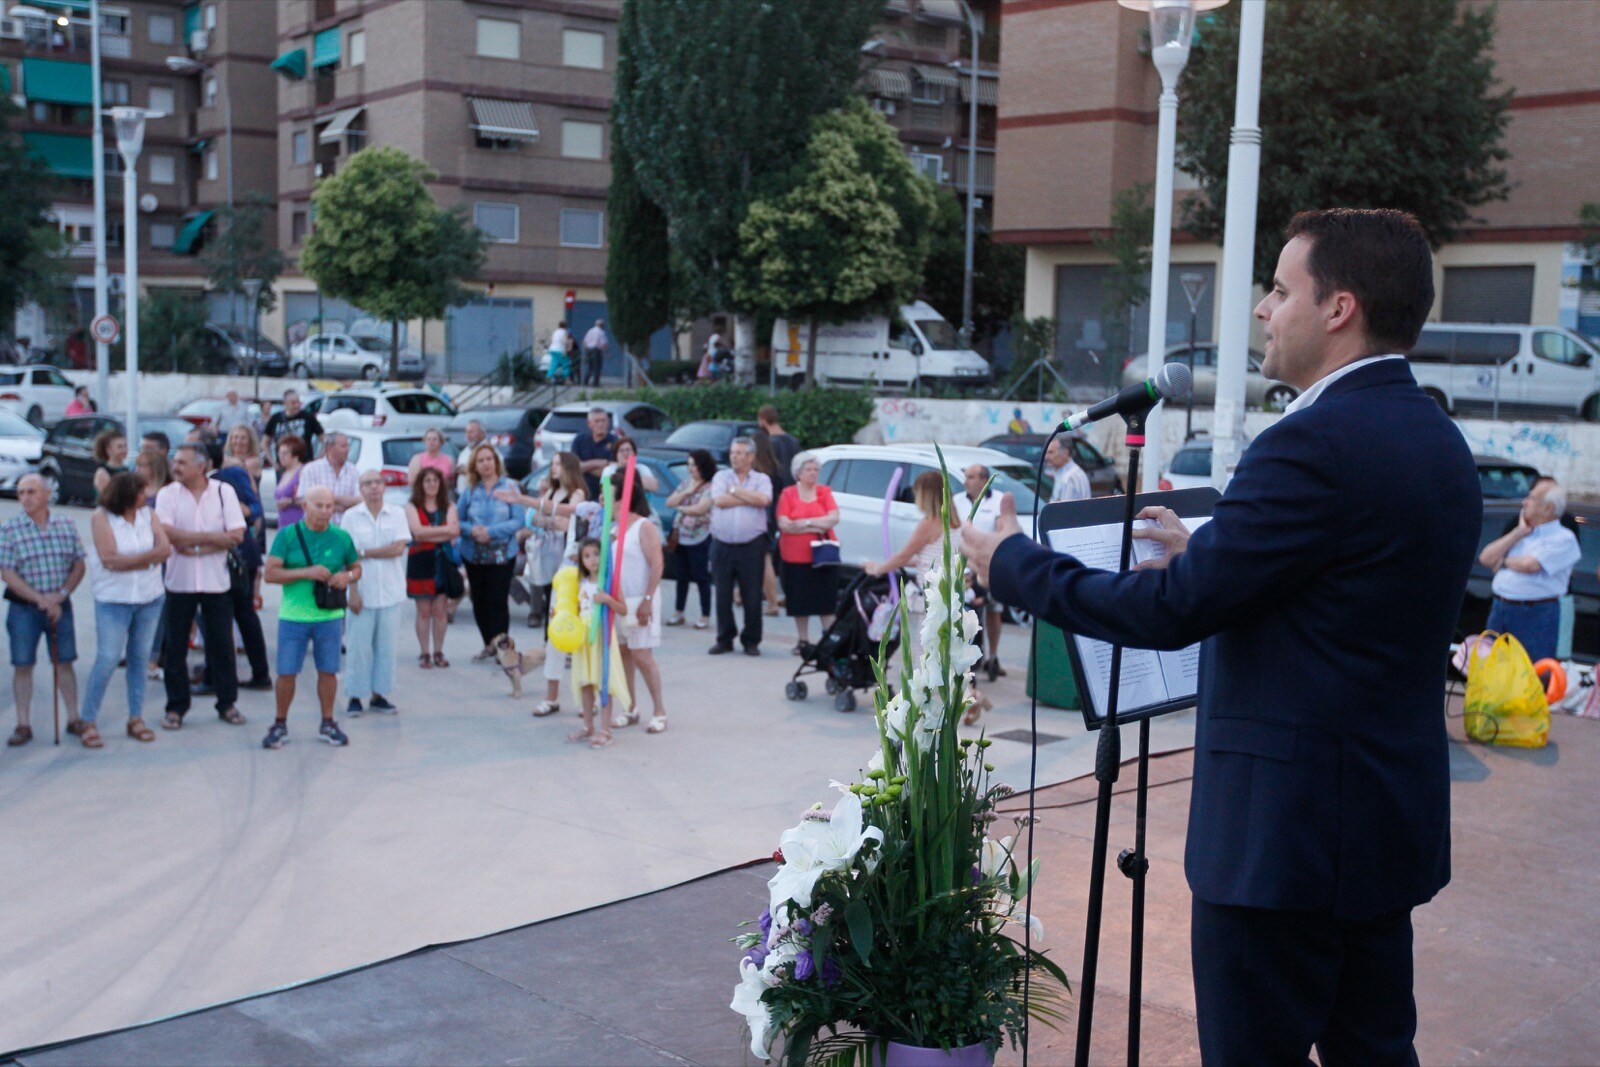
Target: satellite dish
point(148, 203)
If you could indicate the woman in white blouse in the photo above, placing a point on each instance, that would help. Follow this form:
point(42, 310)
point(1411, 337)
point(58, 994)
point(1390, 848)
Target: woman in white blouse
point(125, 574)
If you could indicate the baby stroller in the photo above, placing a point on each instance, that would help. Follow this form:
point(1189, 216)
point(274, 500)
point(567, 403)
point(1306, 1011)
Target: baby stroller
point(844, 652)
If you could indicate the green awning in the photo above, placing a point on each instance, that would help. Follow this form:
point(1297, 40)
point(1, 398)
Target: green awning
point(64, 154)
point(292, 64)
point(199, 147)
point(190, 234)
point(325, 49)
point(56, 81)
point(191, 21)
point(5, 80)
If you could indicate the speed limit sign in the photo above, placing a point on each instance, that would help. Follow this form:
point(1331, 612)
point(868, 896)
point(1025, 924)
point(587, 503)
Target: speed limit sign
point(105, 330)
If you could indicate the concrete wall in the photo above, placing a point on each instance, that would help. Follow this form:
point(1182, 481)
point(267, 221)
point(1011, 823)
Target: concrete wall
point(164, 393)
point(1568, 450)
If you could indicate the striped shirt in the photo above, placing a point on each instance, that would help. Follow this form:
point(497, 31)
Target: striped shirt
point(743, 523)
point(41, 557)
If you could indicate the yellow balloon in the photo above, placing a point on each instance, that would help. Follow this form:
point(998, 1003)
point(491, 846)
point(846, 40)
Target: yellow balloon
point(566, 629)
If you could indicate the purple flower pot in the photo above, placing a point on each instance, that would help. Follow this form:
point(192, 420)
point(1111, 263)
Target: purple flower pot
point(898, 1055)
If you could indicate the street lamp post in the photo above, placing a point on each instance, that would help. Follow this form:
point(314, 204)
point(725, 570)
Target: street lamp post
point(972, 177)
point(129, 122)
point(1171, 27)
point(252, 290)
point(187, 65)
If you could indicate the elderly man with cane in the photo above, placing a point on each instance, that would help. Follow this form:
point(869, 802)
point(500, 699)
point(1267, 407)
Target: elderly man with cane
point(42, 562)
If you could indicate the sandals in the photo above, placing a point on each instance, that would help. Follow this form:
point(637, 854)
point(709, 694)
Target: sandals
point(630, 719)
point(580, 736)
point(20, 736)
point(658, 725)
point(485, 656)
point(676, 620)
point(975, 709)
point(546, 707)
point(88, 734)
point(439, 660)
point(425, 661)
point(173, 721)
point(600, 740)
point(231, 716)
point(139, 731)
point(701, 624)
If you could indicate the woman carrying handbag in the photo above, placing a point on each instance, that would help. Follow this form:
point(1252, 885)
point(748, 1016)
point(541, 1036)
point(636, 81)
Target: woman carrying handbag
point(808, 547)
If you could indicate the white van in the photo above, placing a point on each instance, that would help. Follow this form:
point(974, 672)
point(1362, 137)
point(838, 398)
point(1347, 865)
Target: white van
point(918, 345)
point(1472, 367)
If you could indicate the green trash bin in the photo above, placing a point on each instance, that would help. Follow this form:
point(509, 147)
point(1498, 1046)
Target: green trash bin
point(1050, 677)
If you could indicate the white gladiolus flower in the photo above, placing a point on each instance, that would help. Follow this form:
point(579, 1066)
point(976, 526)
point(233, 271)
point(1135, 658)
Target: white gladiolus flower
point(747, 1002)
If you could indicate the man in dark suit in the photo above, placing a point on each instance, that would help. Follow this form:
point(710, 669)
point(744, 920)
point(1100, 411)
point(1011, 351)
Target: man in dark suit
point(1326, 589)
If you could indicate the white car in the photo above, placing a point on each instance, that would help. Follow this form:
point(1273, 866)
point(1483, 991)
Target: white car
point(21, 444)
point(859, 476)
point(38, 392)
point(394, 408)
point(389, 453)
point(341, 354)
point(1190, 466)
point(1259, 390)
point(645, 423)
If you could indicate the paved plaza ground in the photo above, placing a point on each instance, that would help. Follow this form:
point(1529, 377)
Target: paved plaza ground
point(200, 869)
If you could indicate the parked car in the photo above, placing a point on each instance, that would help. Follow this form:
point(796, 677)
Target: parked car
point(713, 435)
point(1189, 467)
point(1259, 390)
point(1029, 447)
point(859, 476)
point(21, 447)
point(37, 391)
point(383, 451)
point(342, 354)
point(239, 350)
point(510, 429)
point(1500, 479)
point(645, 423)
point(205, 410)
point(1534, 369)
point(1499, 516)
point(915, 344)
point(67, 460)
point(395, 408)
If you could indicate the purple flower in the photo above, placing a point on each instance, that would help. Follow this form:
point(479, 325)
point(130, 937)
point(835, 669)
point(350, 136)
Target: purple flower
point(765, 921)
point(804, 967)
point(831, 971)
point(757, 955)
point(977, 875)
point(804, 926)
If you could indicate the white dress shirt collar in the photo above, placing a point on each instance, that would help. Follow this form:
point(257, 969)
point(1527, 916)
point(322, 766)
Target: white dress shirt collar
point(1309, 397)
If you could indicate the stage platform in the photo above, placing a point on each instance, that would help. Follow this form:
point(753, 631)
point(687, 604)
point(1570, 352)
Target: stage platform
point(1504, 956)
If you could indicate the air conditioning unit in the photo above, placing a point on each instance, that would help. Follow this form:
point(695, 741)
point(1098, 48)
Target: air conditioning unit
point(318, 170)
point(11, 29)
point(199, 41)
point(885, 107)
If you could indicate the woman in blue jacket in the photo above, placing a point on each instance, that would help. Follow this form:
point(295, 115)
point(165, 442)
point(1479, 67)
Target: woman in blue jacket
point(488, 544)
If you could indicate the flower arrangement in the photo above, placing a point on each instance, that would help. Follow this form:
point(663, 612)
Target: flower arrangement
point(895, 917)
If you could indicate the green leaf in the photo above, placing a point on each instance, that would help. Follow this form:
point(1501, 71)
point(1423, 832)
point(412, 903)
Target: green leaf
point(858, 919)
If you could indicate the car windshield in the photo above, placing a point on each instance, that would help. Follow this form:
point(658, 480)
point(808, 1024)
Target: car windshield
point(14, 425)
point(708, 435)
point(1017, 480)
point(371, 344)
point(10, 377)
point(1192, 462)
point(566, 422)
point(397, 451)
point(1506, 483)
point(502, 420)
point(942, 336)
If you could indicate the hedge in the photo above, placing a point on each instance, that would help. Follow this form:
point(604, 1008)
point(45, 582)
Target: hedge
point(816, 416)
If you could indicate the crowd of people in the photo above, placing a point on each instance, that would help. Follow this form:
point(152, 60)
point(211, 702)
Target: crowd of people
point(179, 556)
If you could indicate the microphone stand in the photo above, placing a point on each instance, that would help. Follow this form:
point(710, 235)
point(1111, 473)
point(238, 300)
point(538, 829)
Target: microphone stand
point(1107, 764)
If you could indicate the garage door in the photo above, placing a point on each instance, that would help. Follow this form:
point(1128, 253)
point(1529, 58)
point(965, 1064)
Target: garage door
point(1488, 294)
point(480, 331)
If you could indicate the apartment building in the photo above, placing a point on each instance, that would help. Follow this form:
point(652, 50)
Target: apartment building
point(45, 69)
point(1077, 123)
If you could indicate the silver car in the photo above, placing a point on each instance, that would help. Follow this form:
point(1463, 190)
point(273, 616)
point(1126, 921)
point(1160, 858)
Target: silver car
point(1259, 390)
point(339, 355)
point(388, 453)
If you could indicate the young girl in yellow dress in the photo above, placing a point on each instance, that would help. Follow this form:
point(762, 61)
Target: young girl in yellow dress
point(587, 665)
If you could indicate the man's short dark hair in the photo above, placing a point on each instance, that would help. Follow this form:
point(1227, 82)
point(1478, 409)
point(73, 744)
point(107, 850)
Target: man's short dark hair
point(1382, 258)
point(768, 414)
point(156, 437)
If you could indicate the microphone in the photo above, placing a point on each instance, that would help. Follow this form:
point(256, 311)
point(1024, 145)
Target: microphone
point(1172, 382)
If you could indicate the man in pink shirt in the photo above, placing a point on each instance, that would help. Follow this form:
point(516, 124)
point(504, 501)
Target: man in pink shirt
point(203, 520)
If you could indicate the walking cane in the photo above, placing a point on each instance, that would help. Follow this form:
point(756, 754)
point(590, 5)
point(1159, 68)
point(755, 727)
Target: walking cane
point(55, 682)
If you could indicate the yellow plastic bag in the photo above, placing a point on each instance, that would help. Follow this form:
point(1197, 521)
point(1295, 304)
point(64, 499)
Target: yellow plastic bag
point(1505, 699)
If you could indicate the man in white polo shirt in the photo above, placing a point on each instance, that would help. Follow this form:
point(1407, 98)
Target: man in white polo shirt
point(203, 521)
point(1532, 565)
point(334, 471)
point(382, 535)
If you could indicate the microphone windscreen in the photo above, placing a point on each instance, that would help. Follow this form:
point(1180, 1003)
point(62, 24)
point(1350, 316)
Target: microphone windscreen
point(1173, 381)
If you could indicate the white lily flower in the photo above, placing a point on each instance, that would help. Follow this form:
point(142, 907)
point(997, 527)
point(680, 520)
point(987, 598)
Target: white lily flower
point(995, 859)
point(747, 1002)
point(814, 848)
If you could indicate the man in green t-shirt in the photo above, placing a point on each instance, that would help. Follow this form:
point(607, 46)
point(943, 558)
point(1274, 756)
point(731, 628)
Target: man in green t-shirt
point(304, 555)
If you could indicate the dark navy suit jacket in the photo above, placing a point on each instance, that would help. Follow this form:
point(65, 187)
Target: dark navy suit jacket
point(1326, 588)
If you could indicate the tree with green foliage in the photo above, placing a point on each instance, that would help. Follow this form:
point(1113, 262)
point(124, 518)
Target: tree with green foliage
point(1362, 105)
point(997, 270)
point(1127, 285)
point(848, 239)
point(717, 108)
point(246, 250)
point(172, 335)
point(1589, 243)
point(31, 247)
point(381, 242)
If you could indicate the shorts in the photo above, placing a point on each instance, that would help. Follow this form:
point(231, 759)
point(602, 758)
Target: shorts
point(26, 623)
point(639, 638)
point(323, 638)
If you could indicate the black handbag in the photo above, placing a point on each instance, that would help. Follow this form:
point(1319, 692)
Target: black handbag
point(323, 595)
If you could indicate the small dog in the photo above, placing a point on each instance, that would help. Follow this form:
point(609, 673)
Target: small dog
point(515, 663)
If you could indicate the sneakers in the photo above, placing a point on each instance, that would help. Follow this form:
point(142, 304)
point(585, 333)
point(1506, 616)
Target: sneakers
point(329, 731)
point(380, 703)
point(276, 736)
point(353, 709)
